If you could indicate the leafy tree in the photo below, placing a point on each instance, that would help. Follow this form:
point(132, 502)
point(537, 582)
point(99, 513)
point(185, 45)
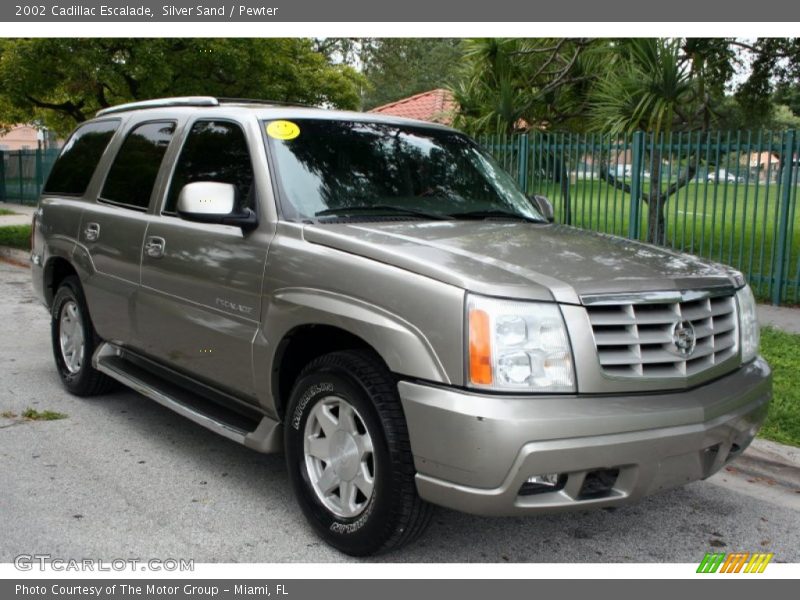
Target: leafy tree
point(61, 82)
point(712, 62)
point(545, 83)
point(788, 94)
point(396, 68)
point(773, 62)
point(783, 117)
point(512, 84)
point(648, 88)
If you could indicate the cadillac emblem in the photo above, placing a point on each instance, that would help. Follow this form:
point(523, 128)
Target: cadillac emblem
point(683, 338)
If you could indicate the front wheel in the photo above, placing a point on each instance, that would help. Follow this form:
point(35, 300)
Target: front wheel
point(349, 458)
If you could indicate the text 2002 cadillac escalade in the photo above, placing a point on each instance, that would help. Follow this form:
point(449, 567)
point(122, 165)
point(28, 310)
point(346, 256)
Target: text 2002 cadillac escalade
point(375, 297)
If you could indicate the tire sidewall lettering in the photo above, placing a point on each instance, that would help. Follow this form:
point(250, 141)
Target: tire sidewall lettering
point(313, 391)
point(343, 528)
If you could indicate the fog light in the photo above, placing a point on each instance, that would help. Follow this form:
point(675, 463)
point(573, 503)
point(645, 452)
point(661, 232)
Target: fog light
point(539, 484)
point(548, 479)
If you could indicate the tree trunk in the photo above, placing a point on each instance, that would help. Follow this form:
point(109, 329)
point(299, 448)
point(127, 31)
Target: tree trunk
point(656, 225)
point(656, 211)
point(567, 210)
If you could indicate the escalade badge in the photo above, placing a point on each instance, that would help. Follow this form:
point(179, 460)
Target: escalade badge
point(683, 338)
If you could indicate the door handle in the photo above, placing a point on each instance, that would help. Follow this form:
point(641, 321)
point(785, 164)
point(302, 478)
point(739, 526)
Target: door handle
point(92, 232)
point(154, 246)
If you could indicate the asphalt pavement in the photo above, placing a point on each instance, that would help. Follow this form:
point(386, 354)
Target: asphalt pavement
point(123, 477)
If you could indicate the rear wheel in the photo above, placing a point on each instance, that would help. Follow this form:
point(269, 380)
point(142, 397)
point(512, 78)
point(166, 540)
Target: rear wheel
point(349, 458)
point(74, 342)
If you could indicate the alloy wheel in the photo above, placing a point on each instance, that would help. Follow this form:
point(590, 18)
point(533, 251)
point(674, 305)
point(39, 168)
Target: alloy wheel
point(339, 457)
point(72, 342)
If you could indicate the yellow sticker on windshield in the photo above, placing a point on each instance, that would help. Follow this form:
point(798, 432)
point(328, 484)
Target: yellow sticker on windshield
point(283, 130)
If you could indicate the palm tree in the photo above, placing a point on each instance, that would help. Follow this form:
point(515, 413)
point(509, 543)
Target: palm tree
point(508, 85)
point(646, 87)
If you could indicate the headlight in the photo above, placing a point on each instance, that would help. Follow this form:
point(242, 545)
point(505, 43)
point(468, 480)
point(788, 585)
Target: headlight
point(518, 346)
point(748, 323)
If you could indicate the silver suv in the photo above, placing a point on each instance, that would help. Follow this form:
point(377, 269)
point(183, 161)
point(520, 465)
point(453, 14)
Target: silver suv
point(376, 298)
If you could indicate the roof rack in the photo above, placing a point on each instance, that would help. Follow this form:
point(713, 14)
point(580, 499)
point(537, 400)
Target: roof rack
point(189, 101)
point(261, 101)
point(160, 102)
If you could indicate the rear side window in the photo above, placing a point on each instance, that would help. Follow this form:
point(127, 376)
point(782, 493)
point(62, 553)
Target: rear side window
point(131, 177)
point(76, 164)
point(214, 151)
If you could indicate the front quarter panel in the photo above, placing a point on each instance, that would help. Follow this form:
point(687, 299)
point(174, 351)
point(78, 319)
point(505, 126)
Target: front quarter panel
point(413, 322)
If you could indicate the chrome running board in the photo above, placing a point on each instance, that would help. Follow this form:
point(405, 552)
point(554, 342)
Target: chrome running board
point(261, 433)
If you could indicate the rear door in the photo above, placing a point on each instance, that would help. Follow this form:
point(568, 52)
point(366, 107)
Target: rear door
point(201, 284)
point(64, 196)
point(112, 229)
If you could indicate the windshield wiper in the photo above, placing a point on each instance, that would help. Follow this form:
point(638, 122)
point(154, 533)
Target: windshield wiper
point(381, 209)
point(493, 214)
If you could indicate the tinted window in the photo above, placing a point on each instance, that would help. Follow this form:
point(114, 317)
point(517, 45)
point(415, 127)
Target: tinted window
point(132, 176)
point(214, 151)
point(76, 163)
point(332, 165)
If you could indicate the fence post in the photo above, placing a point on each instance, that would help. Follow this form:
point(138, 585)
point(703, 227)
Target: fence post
point(39, 172)
point(21, 166)
point(637, 162)
point(2, 176)
point(784, 214)
point(560, 151)
point(522, 162)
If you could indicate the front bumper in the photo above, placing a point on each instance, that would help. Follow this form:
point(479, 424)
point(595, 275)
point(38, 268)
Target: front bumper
point(473, 452)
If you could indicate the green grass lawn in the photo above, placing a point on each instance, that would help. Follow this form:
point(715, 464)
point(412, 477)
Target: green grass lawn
point(782, 351)
point(16, 236)
point(736, 224)
point(5, 211)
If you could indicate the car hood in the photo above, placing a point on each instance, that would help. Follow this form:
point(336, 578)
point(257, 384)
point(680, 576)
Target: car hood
point(522, 260)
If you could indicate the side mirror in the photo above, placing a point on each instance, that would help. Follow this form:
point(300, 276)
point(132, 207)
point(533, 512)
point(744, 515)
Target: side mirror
point(544, 206)
point(213, 202)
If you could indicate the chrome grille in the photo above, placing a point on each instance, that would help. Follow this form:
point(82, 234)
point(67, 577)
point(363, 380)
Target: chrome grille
point(635, 336)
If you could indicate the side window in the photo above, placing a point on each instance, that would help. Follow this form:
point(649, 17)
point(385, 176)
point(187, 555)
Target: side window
point(214, 151)
point(132, 175)
point(77, 162)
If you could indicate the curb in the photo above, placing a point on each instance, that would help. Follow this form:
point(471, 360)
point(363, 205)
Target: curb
point(15, 256)
point(782, 318)
point(775, 452)
point(771, 463)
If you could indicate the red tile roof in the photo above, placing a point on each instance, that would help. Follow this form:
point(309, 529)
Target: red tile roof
point(436, 106)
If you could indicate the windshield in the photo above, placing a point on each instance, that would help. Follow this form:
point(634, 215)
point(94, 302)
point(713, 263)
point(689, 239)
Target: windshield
point(355, 168)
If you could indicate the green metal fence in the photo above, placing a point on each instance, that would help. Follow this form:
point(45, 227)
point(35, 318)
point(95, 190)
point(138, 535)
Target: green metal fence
point(727, 196)
point(23, 172)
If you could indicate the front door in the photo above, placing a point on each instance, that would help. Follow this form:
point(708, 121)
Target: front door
point(201, 284)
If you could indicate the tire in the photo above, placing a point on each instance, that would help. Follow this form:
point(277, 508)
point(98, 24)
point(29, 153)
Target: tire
point(74, 342)
point(360, 525)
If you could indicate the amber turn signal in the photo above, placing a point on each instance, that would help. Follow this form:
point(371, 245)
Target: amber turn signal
point(480, 350)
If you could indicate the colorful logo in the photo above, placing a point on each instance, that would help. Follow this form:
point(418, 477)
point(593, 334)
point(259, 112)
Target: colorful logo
point(735, 562)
